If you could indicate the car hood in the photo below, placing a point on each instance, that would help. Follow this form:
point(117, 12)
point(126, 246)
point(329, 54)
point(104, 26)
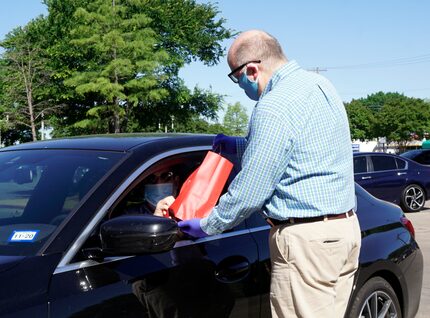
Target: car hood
point(7, 262)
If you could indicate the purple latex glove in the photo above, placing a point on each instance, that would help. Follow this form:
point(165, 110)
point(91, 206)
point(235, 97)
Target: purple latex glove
point(192, 228)
point(224, 144)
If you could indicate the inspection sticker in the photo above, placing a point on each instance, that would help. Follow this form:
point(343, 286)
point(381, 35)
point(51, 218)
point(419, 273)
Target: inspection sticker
point(23, 236)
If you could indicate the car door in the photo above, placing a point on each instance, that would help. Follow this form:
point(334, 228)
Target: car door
point(362, 171)
point(209, 277)
point(386, 180)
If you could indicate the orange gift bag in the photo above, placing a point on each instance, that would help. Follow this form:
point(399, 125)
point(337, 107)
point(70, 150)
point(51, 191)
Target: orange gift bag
point(201, 191)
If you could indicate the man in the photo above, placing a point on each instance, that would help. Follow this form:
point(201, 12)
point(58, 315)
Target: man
point(297, 169)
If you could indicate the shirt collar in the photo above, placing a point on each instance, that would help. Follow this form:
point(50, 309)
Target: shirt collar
point(280, 74)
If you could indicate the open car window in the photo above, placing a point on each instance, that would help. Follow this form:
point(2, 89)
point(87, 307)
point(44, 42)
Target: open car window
point(135, 200)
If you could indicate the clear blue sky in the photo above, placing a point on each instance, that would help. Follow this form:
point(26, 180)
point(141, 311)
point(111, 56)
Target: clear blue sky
point(386, 42)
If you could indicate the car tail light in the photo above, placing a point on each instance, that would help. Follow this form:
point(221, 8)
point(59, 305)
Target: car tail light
point(408, 225)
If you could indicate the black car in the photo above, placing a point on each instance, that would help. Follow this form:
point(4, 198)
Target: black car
point(421, 156)
point(393, 178)
point(76, 242)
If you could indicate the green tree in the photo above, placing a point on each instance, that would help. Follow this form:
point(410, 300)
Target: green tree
point(401, 116)
point(361, 120)
point(125, 70)
point(390, 115)
point(25, 99)
point(187, 31)
point(236, 119)
point(376, 101)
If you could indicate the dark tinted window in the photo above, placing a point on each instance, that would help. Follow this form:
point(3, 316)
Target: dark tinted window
point(360, 164)
point(381, 163)
point(401, 164)
point(423, 158)
point(39, 188)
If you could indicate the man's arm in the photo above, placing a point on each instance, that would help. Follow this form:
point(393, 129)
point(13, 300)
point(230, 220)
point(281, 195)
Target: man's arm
point(263, 164)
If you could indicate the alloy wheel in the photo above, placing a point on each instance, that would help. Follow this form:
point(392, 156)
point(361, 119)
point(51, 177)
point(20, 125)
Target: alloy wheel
point(414, 198)
point(378, 305)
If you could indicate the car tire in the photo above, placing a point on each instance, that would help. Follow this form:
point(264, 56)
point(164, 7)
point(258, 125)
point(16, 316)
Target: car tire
point(375, 299)
point(413, 198)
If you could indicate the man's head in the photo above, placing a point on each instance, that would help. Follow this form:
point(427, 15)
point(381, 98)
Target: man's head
point(253, 58)
point(161, 184)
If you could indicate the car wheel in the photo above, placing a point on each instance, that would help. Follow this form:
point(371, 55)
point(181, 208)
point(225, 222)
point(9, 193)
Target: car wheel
point(413, 198)
point(375, 299)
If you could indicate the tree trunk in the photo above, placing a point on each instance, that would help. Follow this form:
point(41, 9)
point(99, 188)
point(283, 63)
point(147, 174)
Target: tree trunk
point(31, 110)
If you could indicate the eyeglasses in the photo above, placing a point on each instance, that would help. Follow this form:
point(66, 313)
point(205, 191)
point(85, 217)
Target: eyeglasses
point(233, 77)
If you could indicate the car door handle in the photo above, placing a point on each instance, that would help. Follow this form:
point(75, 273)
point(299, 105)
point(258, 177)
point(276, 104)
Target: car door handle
point(232, 269)
point(401, 173)
point(365, 178)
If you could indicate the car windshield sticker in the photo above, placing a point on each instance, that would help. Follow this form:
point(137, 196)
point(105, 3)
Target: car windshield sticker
point(23, 236)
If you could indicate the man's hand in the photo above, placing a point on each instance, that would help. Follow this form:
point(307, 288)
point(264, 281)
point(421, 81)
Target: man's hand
point(192, 228)
point(162, 208)
point(225, 144)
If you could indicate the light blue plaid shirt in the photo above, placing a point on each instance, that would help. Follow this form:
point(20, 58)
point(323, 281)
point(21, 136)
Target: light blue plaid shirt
point(297, 157)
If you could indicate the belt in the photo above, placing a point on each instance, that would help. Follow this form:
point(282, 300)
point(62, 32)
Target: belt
point(274, 222)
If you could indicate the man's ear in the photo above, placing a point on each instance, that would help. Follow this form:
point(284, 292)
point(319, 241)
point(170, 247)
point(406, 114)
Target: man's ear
point(252, 71)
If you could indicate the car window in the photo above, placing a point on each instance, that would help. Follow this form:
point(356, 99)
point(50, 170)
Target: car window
point(423, 158)
point(39, 188)
point(401, 164)
point(382, 163)
point(144, 193)
point(165, 178)
point(360, 164)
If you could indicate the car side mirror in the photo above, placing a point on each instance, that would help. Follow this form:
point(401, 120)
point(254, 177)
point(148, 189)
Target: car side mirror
point(23, 174)
point(138, 234)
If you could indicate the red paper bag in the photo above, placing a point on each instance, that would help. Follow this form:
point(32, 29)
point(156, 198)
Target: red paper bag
point(201, 191)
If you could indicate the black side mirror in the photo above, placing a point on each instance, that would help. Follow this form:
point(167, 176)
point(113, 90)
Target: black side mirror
point(23, 174)
point(138, 234)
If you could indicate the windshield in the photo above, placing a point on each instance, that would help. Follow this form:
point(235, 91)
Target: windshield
point(39, 188)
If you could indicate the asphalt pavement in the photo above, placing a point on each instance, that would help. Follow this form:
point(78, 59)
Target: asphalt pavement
point(421, 223)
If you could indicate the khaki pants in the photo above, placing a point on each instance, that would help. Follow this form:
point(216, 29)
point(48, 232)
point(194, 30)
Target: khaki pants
point(313, 267)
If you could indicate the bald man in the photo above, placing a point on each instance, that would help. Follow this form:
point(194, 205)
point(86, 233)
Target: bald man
point(297, 169)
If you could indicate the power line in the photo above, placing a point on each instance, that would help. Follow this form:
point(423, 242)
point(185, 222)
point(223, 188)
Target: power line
point(419, 59)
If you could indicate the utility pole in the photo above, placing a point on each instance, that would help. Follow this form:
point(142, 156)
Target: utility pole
point(42, 129)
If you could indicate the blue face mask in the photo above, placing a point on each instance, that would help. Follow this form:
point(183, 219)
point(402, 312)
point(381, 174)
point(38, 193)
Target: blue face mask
point(250, 87)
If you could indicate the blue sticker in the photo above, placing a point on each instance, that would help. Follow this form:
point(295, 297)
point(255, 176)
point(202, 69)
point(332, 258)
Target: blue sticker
point(23, 236)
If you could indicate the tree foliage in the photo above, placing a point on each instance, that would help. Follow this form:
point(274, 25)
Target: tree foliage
point(25, 77)
point(361, 120)
point(125, 69)
point(114, 64)
point(390, 115)
point(236, 119)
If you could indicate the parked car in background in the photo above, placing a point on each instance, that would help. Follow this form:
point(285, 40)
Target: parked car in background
point(393, 178)
point(421, 156)
point(74, 241)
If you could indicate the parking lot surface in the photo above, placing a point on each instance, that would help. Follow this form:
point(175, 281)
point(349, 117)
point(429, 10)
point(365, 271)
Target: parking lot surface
point(421, 222)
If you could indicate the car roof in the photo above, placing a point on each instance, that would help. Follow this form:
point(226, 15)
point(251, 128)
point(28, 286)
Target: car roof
point(110, 142)
point(374, 154)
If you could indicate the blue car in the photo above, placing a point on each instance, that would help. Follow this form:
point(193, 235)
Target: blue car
point(393, 178)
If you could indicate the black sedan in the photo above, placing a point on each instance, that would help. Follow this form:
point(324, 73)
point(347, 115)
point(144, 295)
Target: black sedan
point(393, 178)
point(77, 240)
point(421, 156)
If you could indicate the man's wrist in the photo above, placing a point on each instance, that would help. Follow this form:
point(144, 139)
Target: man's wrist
point(204, 225)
